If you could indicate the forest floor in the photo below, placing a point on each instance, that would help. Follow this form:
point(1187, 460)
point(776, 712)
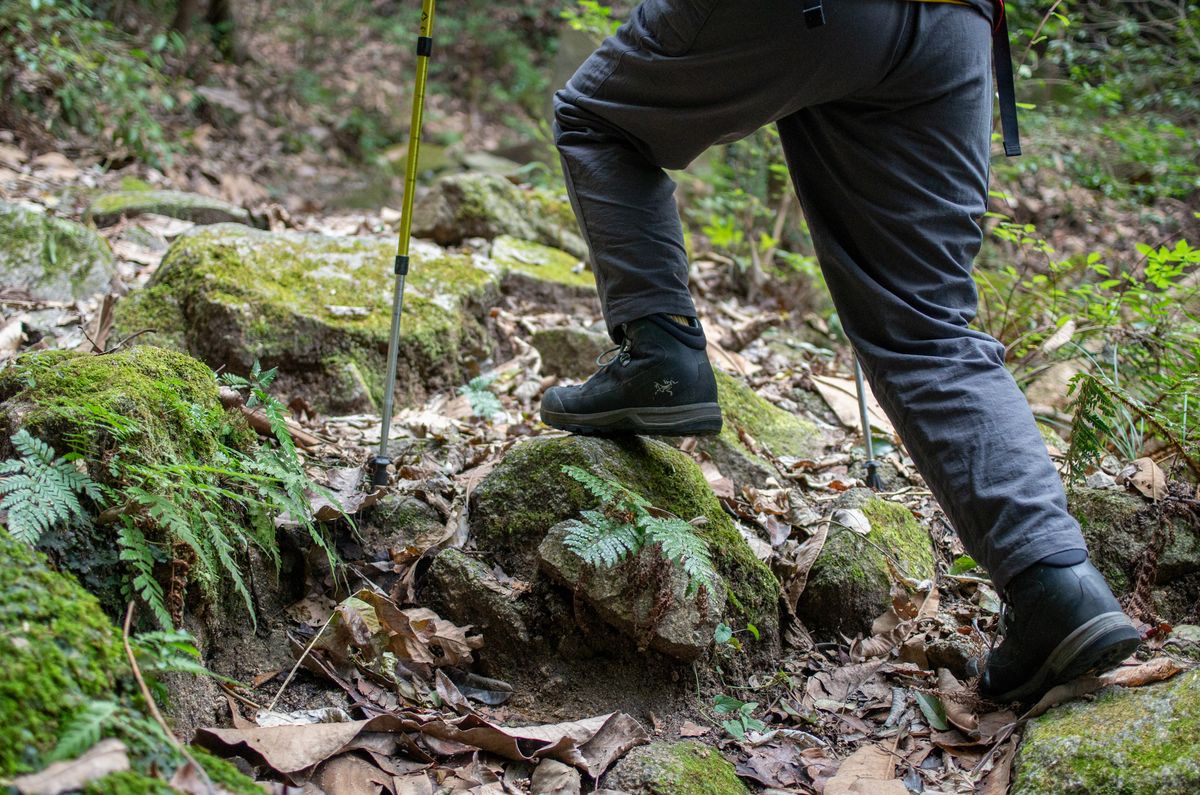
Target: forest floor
point(885, 708)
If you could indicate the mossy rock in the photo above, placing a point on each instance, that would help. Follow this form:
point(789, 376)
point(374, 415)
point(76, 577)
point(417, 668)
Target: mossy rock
point(459, 206)
point(544, 267)
point(775, 431)
point(128, 782)
point(569, 352)
point(108, 208)
point(158, 406)
point(53, 258)
point(849, 585)
point(1119, 526)
point(464, 590)
point(1137, 741)
point(683, 768)
point(528, 493)
point(58, 651)
point(319, 308)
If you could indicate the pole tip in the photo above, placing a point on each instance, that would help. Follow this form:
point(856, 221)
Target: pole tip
point(874, 481)
point(379, 473)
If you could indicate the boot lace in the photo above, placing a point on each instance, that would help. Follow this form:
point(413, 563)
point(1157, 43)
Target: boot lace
point(620, 354)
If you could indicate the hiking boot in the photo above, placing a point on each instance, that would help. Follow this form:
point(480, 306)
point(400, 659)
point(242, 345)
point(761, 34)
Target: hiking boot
point(657, 382)
point(1059, 623)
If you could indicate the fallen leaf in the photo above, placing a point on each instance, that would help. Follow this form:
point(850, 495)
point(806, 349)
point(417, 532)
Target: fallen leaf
point(842, 396)
point(351, 775)
point(106, 756)
point(868, 771)
point(1146, 477)
point(794, 561)
point(690, 729)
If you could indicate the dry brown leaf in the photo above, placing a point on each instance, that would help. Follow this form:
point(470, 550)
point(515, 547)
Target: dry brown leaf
point(1146, 477)
point(794, 562)
point(106, 756)
point(1064, 692)
point(690, 729)
point(842, 396)
point(956, 712)
point(998, 779)
point(352, 775)
point(868, 771)
point(345, 497)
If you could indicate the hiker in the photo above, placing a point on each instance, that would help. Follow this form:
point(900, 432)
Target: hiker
point(884, 112)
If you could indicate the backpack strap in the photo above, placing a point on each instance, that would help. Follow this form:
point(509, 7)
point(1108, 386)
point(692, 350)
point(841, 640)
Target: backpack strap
point(1002, 61)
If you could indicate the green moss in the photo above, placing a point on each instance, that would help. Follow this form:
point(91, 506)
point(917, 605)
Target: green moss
point(541, 262)
point(778, 431)
point(57, 651)
point(128, 782)
point(53, 258)
point(850, 583)
point(110, 207)
point(309, 304)
point(528, 493)
point(133, 183)
point(1140, 741)
point(171, 399)
point(683, 768)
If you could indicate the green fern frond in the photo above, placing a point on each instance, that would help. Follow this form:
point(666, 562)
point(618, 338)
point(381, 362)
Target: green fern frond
point(610, 493)
point(136, 551)
point(679, 544)
point(41, 492)
point(83, 729)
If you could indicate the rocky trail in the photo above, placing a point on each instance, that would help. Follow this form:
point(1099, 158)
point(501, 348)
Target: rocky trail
point(443, 635)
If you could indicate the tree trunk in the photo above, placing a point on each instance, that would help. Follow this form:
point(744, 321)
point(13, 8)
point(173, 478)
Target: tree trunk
point(184, 14)
point(224, 30)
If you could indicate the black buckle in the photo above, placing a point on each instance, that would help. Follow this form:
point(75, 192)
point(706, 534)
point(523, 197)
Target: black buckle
point(814, 13)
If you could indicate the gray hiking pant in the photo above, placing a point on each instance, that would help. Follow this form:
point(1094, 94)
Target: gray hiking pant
point(885, 117)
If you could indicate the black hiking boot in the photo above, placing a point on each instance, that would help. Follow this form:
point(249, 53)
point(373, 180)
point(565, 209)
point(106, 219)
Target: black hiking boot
point(1060, 623)
point(657, 382)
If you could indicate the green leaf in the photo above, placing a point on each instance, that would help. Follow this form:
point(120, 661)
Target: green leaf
point(753, 630)
point(932, 709)
point(963, 564)
point(723, 634)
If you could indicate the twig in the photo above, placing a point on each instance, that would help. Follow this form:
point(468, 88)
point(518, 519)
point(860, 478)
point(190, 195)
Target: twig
point(299, 660)
point(127, 340)
point(153, 707)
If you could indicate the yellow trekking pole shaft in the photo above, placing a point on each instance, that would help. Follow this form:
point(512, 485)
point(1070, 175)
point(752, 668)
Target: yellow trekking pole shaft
point(379, 476)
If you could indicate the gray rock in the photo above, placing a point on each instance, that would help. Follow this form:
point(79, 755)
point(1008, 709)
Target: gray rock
point(1119, 528)
point(569, 352)
point(527, 494)
point(644, 597)
point(460, 206)
point(1136, 741)
point(849, 585)
point(775, 432)
point(675, 768)
point(52, 258)
point(464, 590)
point(109, 208)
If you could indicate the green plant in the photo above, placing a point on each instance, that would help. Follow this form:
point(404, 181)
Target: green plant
point(1133, 330)
point(484, 402)
point(63, 68)
point(627, 523)
point(741, 714)
point(40, 491)
point(592, 18)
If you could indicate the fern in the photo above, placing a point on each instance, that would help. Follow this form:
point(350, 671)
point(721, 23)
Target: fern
point(41, 491)
point(84, 729)
point(484, 402)
point(625, 525)
point(136, 551)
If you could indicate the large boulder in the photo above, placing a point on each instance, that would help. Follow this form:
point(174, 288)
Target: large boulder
point(460, 206)
point(319, 308)
point(1120, 528)
point(109, 208)
point(683, 768)
point(850, 583)
point(515, 511)
point(750, 422)
point(569, 352)
point(52, 258)
point(1138, 741)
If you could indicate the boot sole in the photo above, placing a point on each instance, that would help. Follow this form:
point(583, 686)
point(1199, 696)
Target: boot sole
point(1097, 646)
point(695, 419)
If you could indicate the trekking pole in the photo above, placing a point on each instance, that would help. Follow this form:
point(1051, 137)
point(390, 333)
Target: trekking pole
point(379, 465)
point(874, 481)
